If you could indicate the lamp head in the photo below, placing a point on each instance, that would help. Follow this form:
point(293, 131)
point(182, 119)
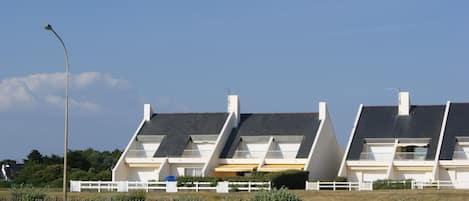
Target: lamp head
point(48, 27)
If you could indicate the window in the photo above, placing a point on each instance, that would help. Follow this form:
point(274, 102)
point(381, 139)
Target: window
point(412, 149)
point(193, 172)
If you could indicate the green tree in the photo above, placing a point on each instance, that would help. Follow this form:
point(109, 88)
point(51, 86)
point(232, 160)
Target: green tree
point(35, 157)
point(86, 164)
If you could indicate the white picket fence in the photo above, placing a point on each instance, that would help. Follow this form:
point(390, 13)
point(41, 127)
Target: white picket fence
point(249, 186)
point(167, 186)
point(440, 185)
point(414, 185)
point(335, 185)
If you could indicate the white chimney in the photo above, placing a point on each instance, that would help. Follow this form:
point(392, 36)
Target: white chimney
point(322, 110)
point(404, 103)
point(233, 108)
point(147, 112)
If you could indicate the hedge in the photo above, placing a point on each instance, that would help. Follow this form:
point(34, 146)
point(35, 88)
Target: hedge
point(289, 179)
point(188, 181)
point(392, 184)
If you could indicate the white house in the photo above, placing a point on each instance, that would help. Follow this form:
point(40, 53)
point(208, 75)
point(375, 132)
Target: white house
point(229, 143)
point(418, 142)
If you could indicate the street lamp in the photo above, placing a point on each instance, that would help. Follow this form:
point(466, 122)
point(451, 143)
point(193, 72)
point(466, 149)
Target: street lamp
point(48, 27)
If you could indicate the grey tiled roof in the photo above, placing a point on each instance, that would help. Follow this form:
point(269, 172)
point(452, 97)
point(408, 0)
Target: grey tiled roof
point(457, 125)
point(295, 124)
point(178, 127)
point(384, 122)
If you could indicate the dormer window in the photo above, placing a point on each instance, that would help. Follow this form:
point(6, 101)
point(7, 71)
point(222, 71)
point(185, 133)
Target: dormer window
point(377, 149)
point(199, 146)
point(145, 146)
point(252, 147)
point(284, 147)
point(461, 149)
point(412, 149)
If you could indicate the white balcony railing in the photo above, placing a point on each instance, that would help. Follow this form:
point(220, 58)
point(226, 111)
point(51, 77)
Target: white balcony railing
point(196, 153)
point(140, 153)
point(248, 154)
point(461, 155)
point(371, 156)
point(406, 156)
point(281, 154)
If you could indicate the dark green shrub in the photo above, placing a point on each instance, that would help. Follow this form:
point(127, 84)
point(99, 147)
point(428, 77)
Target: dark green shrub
point(188, 181)
point(275, 195)
point(392, 184)
point(5, 184)
point(288, 179)
point(27, 194)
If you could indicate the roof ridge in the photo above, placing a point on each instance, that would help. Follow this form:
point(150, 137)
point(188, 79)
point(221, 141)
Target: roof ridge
point(190, 113)
point(424, 105)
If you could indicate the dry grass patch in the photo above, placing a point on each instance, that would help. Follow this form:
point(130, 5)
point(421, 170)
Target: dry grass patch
point(378, 195)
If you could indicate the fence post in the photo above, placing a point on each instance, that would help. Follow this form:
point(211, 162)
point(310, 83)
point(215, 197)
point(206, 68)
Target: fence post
point(99, 186)
point(438, 184)
point(333, 185)
point(319, 185)
point(196, 186)
point(349, 186)
point(249, 186)
point(270, 185)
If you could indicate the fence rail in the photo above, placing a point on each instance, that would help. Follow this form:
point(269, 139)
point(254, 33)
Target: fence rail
point(404, 184)
point(335, 185)
point(249, 186)
point(168, 186)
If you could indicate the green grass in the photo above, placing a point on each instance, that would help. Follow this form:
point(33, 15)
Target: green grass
point(377, 195)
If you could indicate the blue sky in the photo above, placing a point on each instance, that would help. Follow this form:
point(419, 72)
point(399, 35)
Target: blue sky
point(181, 56)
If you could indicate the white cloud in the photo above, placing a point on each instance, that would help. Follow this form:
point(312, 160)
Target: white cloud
point(81, 105)
point(47, 88)
point(89, 78)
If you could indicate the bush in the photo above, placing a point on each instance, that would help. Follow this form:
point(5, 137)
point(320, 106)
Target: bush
point(27, 194)
point(392, 184)
point(289, 179)
point(275, 195)
point(188, 181)
point(133, 196)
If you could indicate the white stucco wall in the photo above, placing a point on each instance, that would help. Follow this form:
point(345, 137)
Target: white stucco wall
point(219, 145)
point(372, 175)
point(459, 176)
point(142, 174)
point(414, 175)
point(324, 162)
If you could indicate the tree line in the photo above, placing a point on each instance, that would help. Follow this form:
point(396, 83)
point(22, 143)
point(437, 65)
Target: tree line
point(47, 171)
